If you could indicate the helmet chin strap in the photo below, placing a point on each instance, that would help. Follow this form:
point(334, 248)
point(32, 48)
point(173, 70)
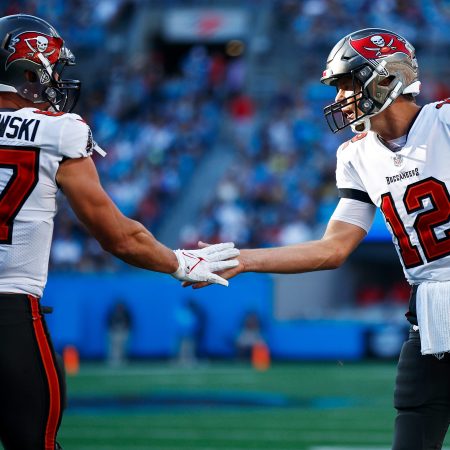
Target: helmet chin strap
point(363, 125)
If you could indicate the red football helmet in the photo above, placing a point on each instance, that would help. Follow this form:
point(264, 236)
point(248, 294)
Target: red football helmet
point(29, 44)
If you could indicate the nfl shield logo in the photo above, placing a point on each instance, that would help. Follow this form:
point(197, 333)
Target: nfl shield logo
point(398, 160)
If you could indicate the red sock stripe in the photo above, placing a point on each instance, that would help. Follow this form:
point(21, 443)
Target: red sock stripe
point(52, 376)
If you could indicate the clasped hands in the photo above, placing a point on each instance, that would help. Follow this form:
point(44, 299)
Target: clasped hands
point(197, 268)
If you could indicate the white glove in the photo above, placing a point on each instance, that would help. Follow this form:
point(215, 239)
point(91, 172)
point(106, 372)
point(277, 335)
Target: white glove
point(199, 265)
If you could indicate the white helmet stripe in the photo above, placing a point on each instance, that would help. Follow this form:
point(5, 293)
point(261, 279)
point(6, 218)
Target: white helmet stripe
point(46, 63)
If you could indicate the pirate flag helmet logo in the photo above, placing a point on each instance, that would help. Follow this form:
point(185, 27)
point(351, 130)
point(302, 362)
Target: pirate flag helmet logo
point(378, 46)
point(32, 45)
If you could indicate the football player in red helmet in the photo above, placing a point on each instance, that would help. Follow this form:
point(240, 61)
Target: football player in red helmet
point(43, 148)
point(399, 163)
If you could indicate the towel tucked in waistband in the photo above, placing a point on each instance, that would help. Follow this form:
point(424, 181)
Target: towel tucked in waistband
point(433, 317)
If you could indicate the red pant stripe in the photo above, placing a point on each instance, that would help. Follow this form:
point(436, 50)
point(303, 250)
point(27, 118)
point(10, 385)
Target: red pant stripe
point(52, 376)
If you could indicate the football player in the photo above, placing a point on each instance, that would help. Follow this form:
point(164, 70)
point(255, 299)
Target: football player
point(43, 148)
point(399, 162)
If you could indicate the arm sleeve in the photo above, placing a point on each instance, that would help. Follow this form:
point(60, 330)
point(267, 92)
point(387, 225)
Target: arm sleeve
point(348, 182)
point(355, 212)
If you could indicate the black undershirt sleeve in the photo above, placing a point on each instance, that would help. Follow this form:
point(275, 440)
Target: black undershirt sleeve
point(355, 194)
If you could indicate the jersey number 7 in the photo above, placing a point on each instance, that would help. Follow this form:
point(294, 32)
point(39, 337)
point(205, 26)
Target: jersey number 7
point(425, 224)
point(23, 164)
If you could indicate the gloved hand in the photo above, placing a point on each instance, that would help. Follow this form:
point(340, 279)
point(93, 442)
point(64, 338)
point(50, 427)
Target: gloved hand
point(199, 265)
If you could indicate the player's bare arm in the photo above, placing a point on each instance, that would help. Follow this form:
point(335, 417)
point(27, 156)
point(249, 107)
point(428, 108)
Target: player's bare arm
point(116, 233)
point(128, 239)
point(330, 252)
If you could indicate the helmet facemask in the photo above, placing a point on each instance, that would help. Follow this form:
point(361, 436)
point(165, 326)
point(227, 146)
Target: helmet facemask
point(373, 93)
point(63, 94)
point(334, 114)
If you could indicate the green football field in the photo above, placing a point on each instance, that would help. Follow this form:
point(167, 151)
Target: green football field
point(303, 406)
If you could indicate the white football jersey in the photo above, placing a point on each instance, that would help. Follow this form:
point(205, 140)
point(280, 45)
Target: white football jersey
point(411, 186)
point(32, 145)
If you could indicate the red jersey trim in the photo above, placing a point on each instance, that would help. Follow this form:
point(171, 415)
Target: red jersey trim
point(356, 138)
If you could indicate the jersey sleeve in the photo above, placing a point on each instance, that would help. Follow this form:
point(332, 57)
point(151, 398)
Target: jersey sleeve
point(355, 212)
point(348, 182)
point(75, 139)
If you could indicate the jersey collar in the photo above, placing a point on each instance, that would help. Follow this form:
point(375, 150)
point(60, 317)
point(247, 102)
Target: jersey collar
point(405, 137)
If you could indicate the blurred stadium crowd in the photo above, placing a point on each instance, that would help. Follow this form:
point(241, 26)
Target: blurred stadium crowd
point(158, 124)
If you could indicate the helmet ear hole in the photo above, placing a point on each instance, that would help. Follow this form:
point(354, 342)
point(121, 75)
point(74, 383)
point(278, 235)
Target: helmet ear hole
point(387, 81)
point(31, 76)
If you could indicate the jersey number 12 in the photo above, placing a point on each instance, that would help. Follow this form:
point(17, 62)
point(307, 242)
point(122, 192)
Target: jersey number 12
point(426, 221)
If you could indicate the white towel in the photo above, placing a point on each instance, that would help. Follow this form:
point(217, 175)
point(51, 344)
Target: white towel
point(433, 316)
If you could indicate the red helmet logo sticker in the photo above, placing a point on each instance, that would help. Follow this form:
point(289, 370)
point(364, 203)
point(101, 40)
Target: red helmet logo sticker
point(377, 46)
point(380, 45)
point(30, 45)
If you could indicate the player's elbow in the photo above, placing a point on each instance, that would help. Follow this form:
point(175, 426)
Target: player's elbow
point(336, 257)
point(122, 239)
point(337, 261)
point(118, 246)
